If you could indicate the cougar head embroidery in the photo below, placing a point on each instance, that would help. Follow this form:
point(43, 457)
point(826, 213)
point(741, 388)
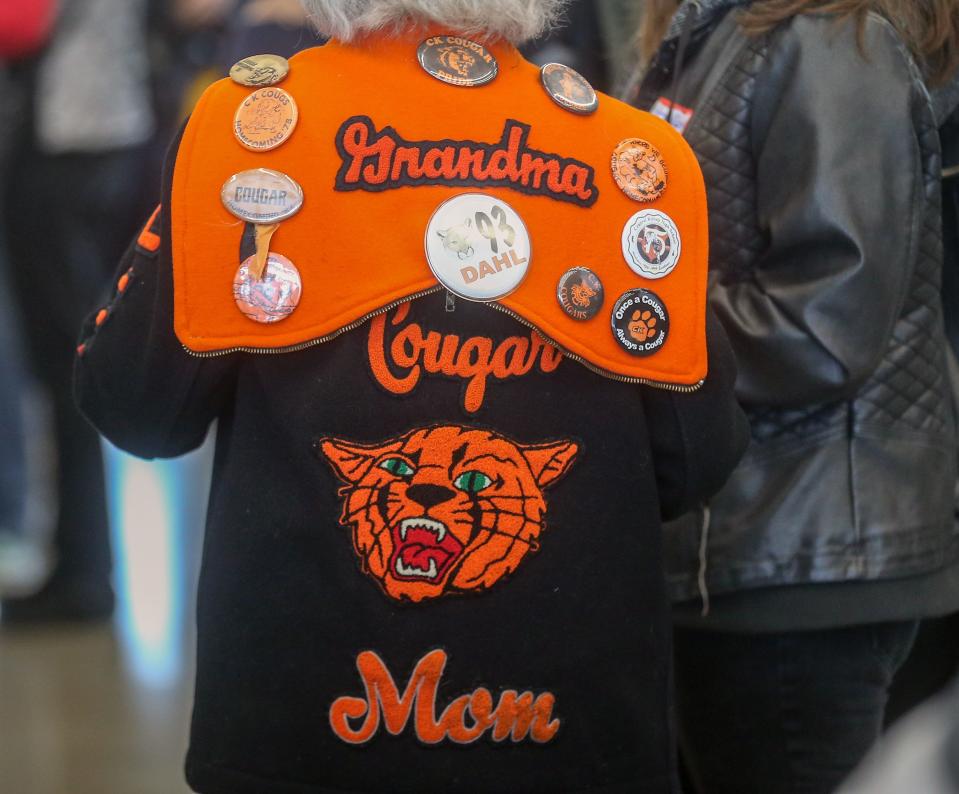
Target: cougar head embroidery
point(446, 509)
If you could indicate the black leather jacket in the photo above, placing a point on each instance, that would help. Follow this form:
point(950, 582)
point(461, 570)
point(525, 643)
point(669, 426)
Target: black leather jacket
point(822, 167)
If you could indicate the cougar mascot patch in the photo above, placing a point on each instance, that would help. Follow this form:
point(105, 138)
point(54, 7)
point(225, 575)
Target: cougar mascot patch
point(445, 509)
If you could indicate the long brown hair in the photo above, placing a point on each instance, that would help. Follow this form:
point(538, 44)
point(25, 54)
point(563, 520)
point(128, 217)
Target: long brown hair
point(930, 28)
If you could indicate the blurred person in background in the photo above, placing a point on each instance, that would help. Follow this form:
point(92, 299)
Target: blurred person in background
point(276, 26)
point(73, 194)
point(920, 755)
point(577, 41)
point(24, 28)
point(799, 587)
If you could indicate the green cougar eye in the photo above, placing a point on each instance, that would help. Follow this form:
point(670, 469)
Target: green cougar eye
point(397, 466)
point(472, 481)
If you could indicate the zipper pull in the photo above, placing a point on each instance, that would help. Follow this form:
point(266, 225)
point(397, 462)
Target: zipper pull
point(703, 560)
point(450, 302)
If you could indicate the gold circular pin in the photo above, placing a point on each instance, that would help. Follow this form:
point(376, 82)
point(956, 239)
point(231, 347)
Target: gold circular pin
point(259, 71)
point(265, 119)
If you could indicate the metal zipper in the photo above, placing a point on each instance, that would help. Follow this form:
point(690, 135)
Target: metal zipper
point(270, 351)
point(673, 387)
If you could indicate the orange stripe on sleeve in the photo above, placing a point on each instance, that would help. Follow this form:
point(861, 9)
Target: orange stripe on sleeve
point(148, 239)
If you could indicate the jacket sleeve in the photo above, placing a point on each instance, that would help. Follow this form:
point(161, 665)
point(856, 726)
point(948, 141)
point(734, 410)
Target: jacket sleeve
point(697, 438)
point(133, 379)
point(839, 182)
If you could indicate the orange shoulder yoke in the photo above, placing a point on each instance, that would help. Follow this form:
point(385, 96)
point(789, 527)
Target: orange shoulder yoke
point(360, 250)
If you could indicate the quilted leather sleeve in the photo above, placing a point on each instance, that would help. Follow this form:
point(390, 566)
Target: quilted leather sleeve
point(697, 438)
point(839, 197)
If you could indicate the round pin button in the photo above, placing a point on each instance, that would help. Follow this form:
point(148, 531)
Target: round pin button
point(639, 170)
point(651, 244)
point(262, 196)
point(569, 89)
point(478, 247)
point(457, 61)
point(271, 298)
point(580, 293)
point(640, 322)
point(265, 119)
point(260, 70)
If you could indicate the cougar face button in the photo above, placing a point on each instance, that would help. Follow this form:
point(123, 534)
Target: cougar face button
point(260, 70)
point(265, 119)
point(580, 293)
point(457, 61)
point(639, 170)
point(569, 89)
point(478, 247)
point(261, 196)
point(651, 244)
point(640, 322)
point(271, 298)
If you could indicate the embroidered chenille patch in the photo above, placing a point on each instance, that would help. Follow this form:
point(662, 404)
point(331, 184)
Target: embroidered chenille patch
point(444, 509)
point(376, 160)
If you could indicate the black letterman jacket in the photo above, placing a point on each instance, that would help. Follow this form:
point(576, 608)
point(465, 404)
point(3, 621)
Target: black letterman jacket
point(560, 641)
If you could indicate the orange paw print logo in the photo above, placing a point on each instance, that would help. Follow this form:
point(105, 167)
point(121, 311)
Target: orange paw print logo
point(642, 325)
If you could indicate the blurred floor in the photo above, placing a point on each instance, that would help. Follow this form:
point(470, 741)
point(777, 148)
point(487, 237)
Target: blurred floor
point(73, 718)
point(105, 710)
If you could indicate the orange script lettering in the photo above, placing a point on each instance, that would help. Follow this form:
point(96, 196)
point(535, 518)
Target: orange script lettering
point(516, 716)
point(400, 362)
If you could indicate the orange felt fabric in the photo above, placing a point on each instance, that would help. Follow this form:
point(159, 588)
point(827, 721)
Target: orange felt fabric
point(359, 251)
